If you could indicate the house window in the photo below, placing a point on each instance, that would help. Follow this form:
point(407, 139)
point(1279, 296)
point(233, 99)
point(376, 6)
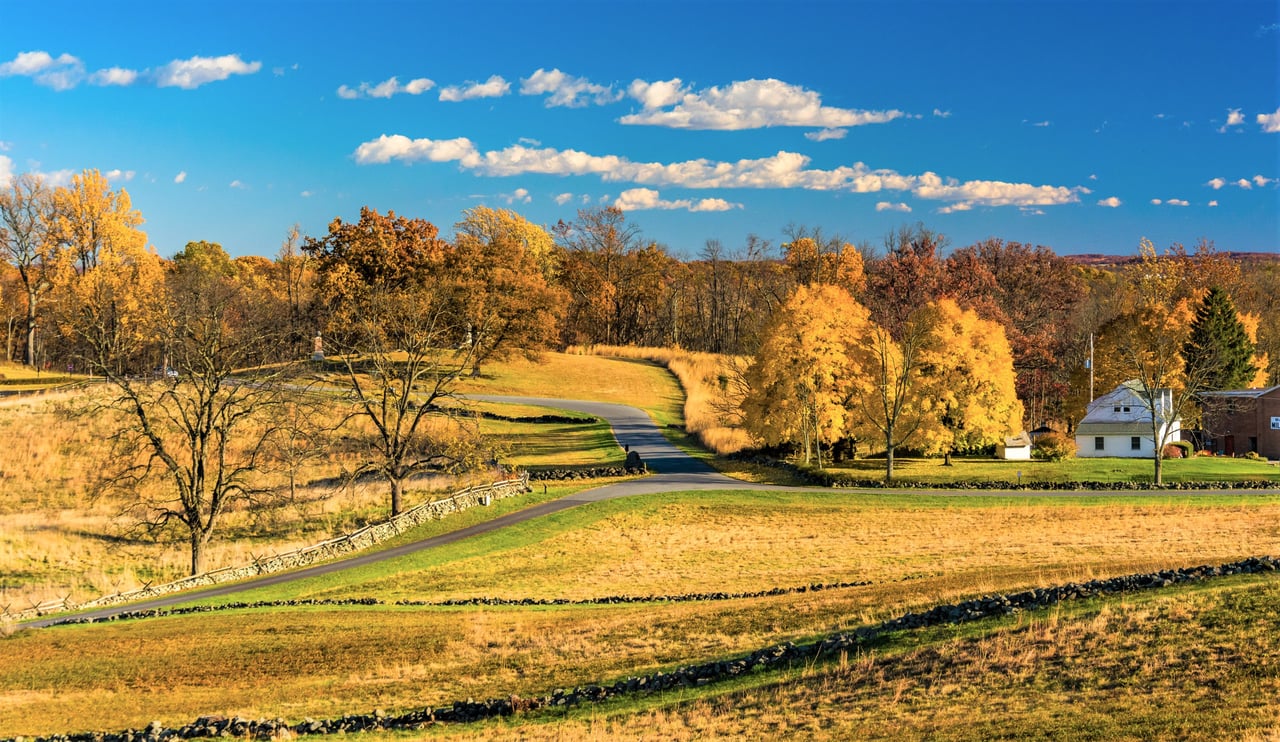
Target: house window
point(1099, 444)
point(1126, 409)
point(1116, 408)
point(1135, 443)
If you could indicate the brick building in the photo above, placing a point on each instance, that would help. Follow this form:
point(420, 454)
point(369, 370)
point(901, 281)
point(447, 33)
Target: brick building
point(1239, 421)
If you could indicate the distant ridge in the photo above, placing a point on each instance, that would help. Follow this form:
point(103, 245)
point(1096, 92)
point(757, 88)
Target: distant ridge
point(1101, 260)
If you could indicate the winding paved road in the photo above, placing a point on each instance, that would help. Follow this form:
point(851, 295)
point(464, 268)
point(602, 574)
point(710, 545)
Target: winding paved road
point(674, 471)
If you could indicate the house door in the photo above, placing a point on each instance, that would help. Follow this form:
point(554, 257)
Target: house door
point(1229, 445)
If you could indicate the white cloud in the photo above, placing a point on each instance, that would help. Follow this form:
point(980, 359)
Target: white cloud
point(657, 94)
point(1270, 122)
point(567, 90)
point(1244, 183)
point(783, 170)
point(564, 198)
point(1156, 202)
point(643, 199)
point(189, 74)
point(63, 72)
point(238, 184)
point(823, 135)
point(1177, 202)
point(114, 76)
point(520, 195)
point(399, 147)
point(1112, 202)
point(941, 114)
point(385, 89)
point(305, 194)
point(1041, 124)
point(889, 206)
point(117, 174)
point(1234, 118)
point(1213, 203)
point(6, 171)
point(180, 177)
point(962, 206)
point(494, 87)
point(1216, 183)
point(753, 104)
point(1093, 176)
point(1262, 181)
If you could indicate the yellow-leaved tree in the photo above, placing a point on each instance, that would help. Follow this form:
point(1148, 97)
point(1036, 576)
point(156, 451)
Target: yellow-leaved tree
point(969, 376)
point(810, 363)
point(108, 277)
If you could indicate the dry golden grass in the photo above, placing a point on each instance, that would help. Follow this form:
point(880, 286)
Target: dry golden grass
point(56, 542)
point(709, 402)
point(595, 378)
point(59, 541)
point(313, 662)
point(1195, 665)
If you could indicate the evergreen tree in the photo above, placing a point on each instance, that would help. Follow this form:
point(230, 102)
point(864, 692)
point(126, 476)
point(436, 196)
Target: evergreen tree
point(1218, 351)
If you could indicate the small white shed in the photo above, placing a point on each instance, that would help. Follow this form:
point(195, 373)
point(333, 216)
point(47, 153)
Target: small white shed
point(1015, 447)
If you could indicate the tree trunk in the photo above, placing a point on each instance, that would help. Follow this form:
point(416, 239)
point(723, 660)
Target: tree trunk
point(397, 495)
point(31, 333)
point(888, 464)
point(197, 551)
point(946, 459)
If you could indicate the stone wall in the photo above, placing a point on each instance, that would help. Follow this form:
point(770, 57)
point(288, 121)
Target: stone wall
point(362, 539)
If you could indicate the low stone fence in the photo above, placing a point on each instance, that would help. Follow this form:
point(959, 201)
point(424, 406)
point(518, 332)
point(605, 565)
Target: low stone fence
point(307, 555)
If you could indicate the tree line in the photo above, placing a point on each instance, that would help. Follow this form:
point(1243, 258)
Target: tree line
point(844, 347)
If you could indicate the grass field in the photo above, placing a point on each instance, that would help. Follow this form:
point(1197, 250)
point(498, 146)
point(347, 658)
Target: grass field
point(1191, 662)
point(915, 552)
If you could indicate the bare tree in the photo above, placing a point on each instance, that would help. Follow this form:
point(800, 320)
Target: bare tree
point(399, 361)
point(205, 425)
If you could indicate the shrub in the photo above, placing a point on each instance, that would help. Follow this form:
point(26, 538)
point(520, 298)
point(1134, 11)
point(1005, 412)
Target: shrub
point(1170, 451)
point(1054, 447)
point(1185, 447)
point(1254, 456)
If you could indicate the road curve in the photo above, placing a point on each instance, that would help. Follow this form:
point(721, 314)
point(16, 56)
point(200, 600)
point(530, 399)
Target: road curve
point(673, 471)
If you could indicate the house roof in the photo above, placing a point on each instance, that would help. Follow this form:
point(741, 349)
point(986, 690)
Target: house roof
point(1124, 406)
point(1242, 393)
point(1138, 427)
point(1021, 440)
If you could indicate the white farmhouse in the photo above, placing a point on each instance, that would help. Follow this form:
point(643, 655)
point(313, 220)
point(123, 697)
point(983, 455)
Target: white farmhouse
point(1119, 424)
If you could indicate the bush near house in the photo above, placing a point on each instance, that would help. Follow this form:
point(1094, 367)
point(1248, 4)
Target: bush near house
point(1054, 447)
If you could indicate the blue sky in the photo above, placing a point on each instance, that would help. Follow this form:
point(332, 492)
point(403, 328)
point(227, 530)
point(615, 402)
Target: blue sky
point(1083, 126)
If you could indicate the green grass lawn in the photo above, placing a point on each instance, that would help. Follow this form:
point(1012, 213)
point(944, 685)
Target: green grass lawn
point(932, 470)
